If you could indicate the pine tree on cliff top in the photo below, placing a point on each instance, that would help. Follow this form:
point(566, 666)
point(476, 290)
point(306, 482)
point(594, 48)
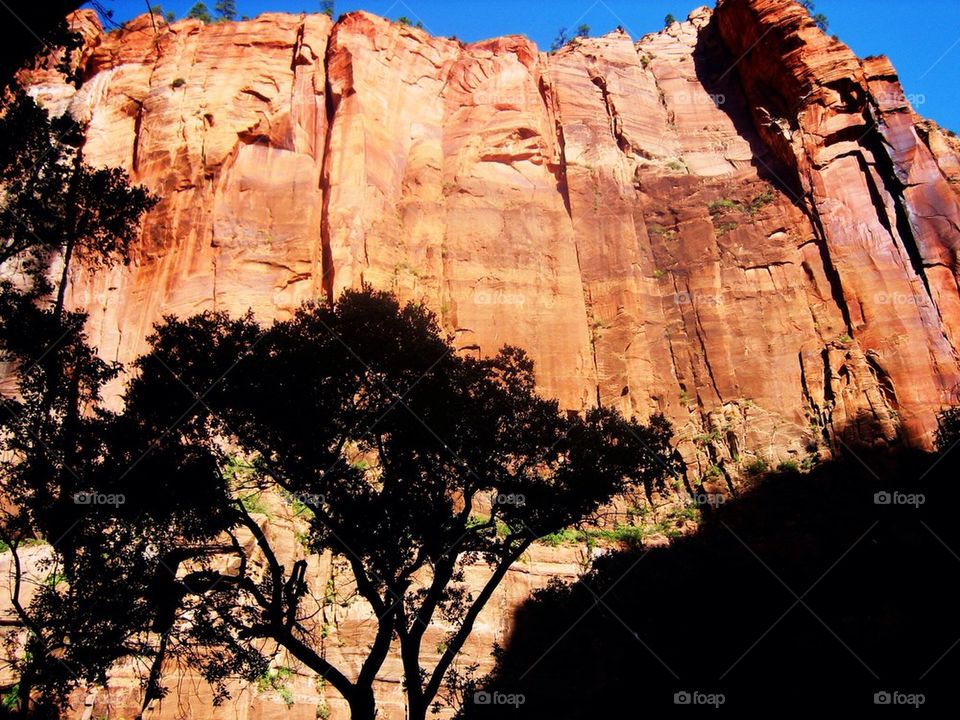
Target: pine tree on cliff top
point(225, 9)
point(200, 12)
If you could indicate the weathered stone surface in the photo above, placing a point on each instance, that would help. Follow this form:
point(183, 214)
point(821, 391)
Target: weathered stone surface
point(558, 202)
point(885, 213)
point(734, 221)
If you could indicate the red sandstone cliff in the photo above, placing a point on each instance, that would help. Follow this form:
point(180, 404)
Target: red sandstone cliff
point(734, 221)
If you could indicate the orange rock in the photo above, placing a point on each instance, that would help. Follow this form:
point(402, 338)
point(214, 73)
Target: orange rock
point(734, 221)
point(558, 202)
point(884, 212)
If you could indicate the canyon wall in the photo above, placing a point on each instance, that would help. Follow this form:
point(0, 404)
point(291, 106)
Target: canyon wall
point(734, 221)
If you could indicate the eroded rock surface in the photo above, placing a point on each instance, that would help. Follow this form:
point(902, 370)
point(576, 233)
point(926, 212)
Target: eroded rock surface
point(757, 238)
point(734, 221)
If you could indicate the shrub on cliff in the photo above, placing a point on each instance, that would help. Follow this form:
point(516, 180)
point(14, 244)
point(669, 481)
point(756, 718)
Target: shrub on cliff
point(819, 18)
point(948, 430)
point(225, 9)
point(200, 12)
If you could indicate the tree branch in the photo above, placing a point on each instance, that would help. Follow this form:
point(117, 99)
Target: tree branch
point(456, 643)
point(309, 657)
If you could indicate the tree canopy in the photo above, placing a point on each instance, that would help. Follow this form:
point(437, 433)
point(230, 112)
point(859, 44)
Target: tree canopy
point(413, 460)
point(46, 28)
point(54, 204)
point(55, 209)
point(409, 461)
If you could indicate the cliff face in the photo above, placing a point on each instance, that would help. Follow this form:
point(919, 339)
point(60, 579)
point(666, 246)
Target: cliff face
point(734, 221)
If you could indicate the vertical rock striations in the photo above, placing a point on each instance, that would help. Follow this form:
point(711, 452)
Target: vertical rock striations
point(734, 221)
point(883, 210)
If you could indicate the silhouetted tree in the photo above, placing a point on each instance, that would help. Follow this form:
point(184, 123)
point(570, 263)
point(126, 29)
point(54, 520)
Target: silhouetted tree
point(53, 207)
point(46, 29)
point(72, 481)
point(326, 7)
point(669, 20)
point(55, 204)
point(560, 40)
point(413, 461)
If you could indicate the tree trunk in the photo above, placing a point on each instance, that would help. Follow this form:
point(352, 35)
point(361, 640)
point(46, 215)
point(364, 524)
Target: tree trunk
point(25, 681)
point(152, 691)
point(455, 643)
point(417, 710)
point(73, 205)
point(363, 706)
point(64, 279)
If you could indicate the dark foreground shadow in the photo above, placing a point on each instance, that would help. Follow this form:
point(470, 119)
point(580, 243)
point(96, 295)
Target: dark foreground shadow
point(810, 592)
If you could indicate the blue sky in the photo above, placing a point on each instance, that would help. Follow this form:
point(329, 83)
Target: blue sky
point(922, 37)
